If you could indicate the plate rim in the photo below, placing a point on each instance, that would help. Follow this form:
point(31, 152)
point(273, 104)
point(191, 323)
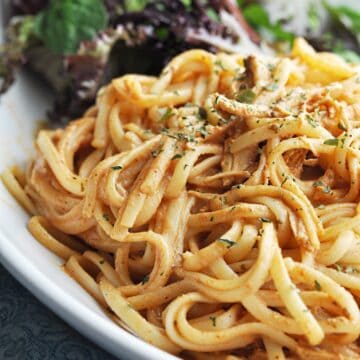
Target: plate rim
point(102, 331)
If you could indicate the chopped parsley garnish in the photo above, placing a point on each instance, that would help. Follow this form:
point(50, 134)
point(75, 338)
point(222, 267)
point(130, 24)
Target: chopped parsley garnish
point(117, 167)
point(317, 285)
point(326, 189)
point(155, 153)
point(347, 269)
point(311, 121)
point(102, 261)
point(246, 96)
point(318, 183)
point(106, 217)
point(176, 156)
point(168, 113)
point(238, 186)
point(341, 126)
point(265, 220)
point(213, 320)
point(229, 243)
point(219, 64)
point(145, 279)
point(332, 142)
point(285, 180)
point(203, 132)
point(202, 113)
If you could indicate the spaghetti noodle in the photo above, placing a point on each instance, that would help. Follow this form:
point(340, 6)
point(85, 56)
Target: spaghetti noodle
point(213, 211)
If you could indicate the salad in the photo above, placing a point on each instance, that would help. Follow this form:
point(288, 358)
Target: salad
point(78, 45)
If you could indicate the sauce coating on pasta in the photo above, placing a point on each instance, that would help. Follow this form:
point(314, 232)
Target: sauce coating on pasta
point(213, 211)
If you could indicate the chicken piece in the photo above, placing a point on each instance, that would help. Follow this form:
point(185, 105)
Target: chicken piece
point(295, 160)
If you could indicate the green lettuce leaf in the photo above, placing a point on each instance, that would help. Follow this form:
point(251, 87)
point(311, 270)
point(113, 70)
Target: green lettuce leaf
point(65, 23)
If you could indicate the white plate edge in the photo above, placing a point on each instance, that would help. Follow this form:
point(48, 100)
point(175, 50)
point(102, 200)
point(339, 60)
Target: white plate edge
point(68, 308)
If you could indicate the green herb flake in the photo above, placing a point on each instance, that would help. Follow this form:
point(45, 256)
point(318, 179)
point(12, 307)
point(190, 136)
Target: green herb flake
point(229, 243)
point(106, 217)
point(213, 320)
point(265, 220)
point(338, 267)
point(177, 156)
point(350, 269)
point(145, 279)
point(246, 96)
point(117, 167)
point(155, 153)
point(102, 261)
point(284, 181)
point(341, 126)
point(326, 189)
point(318, 183)
point(167, 114)
point(317, 285)
point(202, 113)
point(203, 132)
point(312, 122)
point(332, 142)
point(238, 186)
point(219, 64)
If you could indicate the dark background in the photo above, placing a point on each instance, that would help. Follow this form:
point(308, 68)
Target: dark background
point(30, 331)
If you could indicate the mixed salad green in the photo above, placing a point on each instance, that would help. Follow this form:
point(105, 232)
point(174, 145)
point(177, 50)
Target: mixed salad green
point(78, 45)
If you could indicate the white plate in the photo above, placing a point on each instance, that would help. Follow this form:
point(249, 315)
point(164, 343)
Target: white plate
point(32, 264)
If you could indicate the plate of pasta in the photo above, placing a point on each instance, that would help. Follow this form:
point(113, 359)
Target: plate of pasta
point(210, 212)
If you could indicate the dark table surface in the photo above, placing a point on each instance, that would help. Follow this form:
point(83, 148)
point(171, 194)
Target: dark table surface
point(30, 331)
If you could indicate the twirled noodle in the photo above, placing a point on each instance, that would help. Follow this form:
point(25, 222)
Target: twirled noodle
point(214, 209)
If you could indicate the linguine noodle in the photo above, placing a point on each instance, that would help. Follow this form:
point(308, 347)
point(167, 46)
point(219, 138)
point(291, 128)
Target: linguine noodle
point(214, 210)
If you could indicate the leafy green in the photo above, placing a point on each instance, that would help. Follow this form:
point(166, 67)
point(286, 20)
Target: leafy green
point(313, 17)
point(187, 3)
point(64, 24)
point(258, 18)
point(162, 33)
point(349, 18)
point(350, 56)
point(212, 14)
point(26, 29)
point(240, 3)
point(135, 5)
